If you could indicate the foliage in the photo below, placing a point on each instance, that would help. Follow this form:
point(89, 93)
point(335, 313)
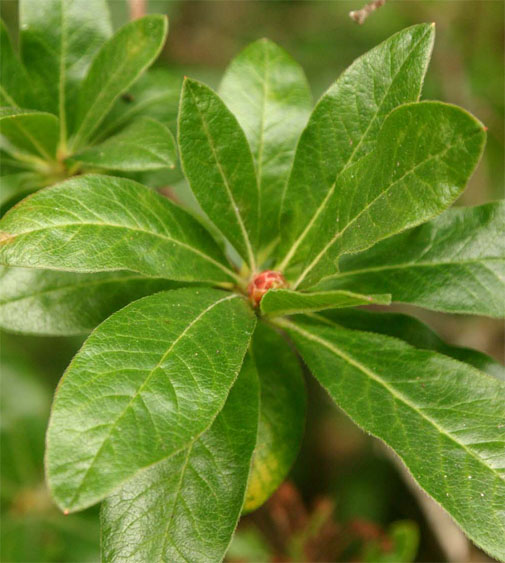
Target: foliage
point(186, 406)
point(62, 113)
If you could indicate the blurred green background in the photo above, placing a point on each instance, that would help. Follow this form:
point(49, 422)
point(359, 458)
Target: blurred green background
point(347, 498)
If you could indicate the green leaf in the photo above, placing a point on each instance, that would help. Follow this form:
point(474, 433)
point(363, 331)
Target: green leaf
point(99, 223)
point(217, 161)
point(442, 417)
point(282, 415)
point(268, 93)
point(116, 66)
point(412, 331)
point(286, 302)
point(58, 39)
point(146, 383)
point(425, 154)
point(30, 131)
point(344, 126)
point(145, 144)
point(14, 187)
point(15, 86)
point(45, 302)
point(455, 263)
point(186, 507)
point(155, 94)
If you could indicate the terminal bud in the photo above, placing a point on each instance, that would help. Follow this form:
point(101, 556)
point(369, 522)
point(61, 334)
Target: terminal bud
point(262, 282)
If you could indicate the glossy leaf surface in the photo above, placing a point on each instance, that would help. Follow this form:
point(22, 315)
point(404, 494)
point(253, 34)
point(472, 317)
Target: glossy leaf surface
point(117, 65)
point(145, 144)
point(46, 302)
point(58, 41)
point(344, 126)
point(412, 331)
point(424, 156)
point(282, 414)
point(14, 187)
point(218, 164)
point(186, 507)
point(455, 263)
point(99, 223)
point(268, 93)
point(286, 302)
point(146, 383)
point(155, 94)
point(30, 132)
point(442, 417)
point(15, 86)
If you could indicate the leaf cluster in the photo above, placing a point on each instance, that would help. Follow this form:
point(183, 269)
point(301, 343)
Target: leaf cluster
point(62, 111)
point(186, 407)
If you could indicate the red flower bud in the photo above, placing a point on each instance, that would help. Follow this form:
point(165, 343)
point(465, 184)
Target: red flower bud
point(262, 282)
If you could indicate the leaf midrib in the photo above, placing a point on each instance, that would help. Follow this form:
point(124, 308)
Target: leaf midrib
point(371, 203)
point(367, 299)
point(77, 286)
point(349, 162)
point(284, 323)
point(409, 265)
point(125, 63)
point(141, 388)
point(127, 228)
point(42, 151)
point(245, 236)
point(62, 76)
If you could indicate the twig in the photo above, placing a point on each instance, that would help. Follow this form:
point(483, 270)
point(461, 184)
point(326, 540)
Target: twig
point(359, 16)
point(137, 9)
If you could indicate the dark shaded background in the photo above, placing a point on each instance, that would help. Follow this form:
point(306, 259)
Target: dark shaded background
point(345, 484)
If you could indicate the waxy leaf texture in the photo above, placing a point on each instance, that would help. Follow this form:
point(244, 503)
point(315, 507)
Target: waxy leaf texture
point(147, 383)
point(455, 264)
point(218, 164)
point(15, 87)
point(268, 93)
point(278, 302)
point(32, 132)
point(344, 126)
point(48, 302)
point(117, 65)
point(424, 157)
point(185, 407)
point(442, 417)
point(409, 329)
point(58, 40)
point(189, 504)
point(145, 144)
point(100, 223)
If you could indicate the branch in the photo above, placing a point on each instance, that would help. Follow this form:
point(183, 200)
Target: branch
point(359, 16)
point(137, 9)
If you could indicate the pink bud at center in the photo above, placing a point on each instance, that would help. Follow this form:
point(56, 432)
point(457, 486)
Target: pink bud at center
point(262, 282)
